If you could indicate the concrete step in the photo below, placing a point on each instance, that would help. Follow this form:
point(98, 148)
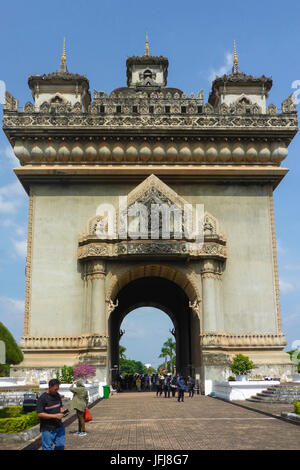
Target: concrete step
point(281, 393)
point(270, 400)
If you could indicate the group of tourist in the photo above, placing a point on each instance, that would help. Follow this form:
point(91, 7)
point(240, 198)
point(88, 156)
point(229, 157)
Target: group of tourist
point(163, 383)
point(167, 384)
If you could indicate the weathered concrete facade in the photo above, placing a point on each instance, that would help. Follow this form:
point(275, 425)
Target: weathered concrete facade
point(151, 143)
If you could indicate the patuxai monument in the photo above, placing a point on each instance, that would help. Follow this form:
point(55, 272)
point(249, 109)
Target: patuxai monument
point(93, 165)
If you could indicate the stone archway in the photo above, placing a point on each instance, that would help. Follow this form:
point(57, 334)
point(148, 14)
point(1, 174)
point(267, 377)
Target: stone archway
point(168, 296)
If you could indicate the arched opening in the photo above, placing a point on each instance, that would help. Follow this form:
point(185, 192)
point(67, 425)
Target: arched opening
point(168, 296)
point(147, 345)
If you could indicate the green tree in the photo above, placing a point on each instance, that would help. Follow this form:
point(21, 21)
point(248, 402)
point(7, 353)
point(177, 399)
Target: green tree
point(169, 350)
point(241, 365)
point(122, 350)
point(14, 354)
point(129, 367)
point(65, 375)
point(164, 353)
point(295, 357)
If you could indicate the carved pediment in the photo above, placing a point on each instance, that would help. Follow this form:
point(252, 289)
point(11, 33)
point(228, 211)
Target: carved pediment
point(155, 188)
point(153, 210)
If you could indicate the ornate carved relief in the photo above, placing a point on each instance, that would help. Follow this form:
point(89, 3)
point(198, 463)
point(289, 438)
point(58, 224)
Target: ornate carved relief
point(213, 121)
point(111, 306)
point(196, 307)
point(245, 341)
point(82, 342)
point(289, 104)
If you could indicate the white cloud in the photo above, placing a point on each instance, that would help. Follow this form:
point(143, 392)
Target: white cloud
point(12, 196)
point(280, 248)
point(226, 68)
point(286, 287)
point(9, 153)
point(20, 247)
point(292, 267)
point(12, 315)
point(291, 319)
point(12, 305)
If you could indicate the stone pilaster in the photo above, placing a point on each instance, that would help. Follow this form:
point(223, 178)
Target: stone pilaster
point(95, 308)
point(212, 296)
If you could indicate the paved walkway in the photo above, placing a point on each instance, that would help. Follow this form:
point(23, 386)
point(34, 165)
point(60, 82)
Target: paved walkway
point(140, 421)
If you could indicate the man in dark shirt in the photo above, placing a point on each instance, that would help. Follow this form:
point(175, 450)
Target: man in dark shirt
point(50, 411)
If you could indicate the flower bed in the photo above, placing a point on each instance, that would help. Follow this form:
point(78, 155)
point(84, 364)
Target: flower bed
point(12, 419)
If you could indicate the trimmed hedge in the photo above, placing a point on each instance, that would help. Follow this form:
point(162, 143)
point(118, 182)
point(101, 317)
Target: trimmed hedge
point(20, 423)
point(13, 353)
point(4, 370)
point(11, 411)
point(297, 407)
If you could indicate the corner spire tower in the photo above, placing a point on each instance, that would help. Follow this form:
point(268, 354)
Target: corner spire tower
point(235, 68)
point(146, 53)
point(63, 65)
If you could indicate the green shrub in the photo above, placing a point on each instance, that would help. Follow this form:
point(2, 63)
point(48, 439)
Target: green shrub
point(4, 370)
point(297, 407)
point(241, 365)
point(13, 353)
point(231, 379)
point(11, 411)
point(295, 357)
point(66, 375)
point(20, 423)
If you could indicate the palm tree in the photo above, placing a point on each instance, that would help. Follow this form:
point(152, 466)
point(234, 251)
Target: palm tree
point(122, 350)
point(170, 347)
point(164, 353)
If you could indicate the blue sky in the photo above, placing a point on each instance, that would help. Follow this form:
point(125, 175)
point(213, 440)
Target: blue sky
point(197, 37)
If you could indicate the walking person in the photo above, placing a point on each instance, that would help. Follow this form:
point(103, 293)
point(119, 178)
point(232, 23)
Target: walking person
point(167, 381)
point(138, 383)
point(50, 411)
point(191, 386)
point(173, 385)
point(181, 387)
point(159, 385)
point(79, 403)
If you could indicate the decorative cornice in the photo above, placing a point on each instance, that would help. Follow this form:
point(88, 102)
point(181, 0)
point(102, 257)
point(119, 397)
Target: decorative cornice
point(12, 121)
point(114, 249)
point(54, 76)
point(80, 343)
point(135, 173)
point(246, 341)
point(243, 78)
point(170, 151)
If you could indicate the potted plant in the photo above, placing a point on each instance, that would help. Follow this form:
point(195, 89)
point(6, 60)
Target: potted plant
point(84, 372)
point(240, 366)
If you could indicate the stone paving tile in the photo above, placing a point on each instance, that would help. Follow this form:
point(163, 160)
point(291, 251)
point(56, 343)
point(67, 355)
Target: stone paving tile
point(140, 421)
